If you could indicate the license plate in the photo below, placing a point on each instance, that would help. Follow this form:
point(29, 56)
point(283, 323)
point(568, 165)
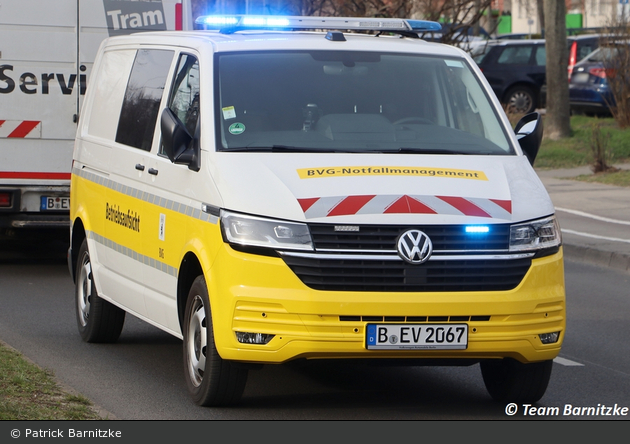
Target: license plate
point(581, 77)
point(416, 336)
point(55, 203)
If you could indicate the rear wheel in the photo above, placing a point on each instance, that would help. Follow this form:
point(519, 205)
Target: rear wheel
point(508, 380)
point(520, 100)
point(211, 380)
point(97, 319)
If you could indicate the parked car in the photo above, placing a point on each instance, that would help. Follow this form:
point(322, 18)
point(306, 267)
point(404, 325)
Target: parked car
point(516, 68)
point(514, 36)
point(589, 89)
point(580, 46)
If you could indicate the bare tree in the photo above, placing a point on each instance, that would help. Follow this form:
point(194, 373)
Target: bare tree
point(540, 11)
point(557, 121)
point(463, 15)
point(370, 8)
point(615, 55)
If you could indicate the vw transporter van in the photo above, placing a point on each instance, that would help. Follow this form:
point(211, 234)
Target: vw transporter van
point(271, 189)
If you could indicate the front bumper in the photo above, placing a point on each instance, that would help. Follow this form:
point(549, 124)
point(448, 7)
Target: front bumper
point(258, 294)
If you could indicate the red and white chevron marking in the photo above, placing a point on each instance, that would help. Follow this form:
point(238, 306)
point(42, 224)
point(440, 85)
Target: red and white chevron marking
point(405, 204)
point(20, 129)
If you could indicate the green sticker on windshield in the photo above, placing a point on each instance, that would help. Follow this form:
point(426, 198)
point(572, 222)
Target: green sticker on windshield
point(236, 128)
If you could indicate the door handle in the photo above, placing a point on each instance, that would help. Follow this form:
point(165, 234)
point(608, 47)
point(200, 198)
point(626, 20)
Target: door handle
point(139, 167)
point(153, 171)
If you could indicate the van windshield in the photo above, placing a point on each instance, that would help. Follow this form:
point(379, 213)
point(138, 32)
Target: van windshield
point(346, 101)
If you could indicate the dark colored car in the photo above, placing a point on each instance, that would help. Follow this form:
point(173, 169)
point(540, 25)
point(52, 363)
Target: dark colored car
point(516, 69)
point(514, 36)
point(589, 88)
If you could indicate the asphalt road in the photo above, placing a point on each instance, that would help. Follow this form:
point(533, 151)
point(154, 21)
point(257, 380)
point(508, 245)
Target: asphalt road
point(141, 377)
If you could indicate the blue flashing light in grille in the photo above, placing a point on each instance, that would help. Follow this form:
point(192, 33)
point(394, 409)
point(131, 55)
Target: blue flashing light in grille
point(477, 229)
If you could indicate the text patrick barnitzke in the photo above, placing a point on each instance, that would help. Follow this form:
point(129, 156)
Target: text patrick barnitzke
point(71, 433)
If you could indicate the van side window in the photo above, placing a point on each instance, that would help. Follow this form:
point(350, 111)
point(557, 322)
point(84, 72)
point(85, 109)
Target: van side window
point(184, 101)
point(142, 98)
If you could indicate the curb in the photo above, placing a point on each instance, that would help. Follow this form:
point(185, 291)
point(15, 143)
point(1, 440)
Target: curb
point(614, 260)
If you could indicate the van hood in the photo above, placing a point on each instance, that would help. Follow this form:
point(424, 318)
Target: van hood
point(381, 188)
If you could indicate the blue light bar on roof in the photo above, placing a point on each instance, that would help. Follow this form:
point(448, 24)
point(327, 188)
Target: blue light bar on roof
point(424, 25)
point(244, 22)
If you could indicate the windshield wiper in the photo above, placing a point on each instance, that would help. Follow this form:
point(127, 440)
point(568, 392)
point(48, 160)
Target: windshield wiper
point(405, 150)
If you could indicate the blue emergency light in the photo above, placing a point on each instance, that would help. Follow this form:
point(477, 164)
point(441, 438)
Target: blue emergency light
point(233, 23)
point(477, 229)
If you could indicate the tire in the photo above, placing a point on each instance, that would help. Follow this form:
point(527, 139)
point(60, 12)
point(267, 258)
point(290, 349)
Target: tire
point(211, 380)
point(98, 320)
point(520, 100)
point(511, 381)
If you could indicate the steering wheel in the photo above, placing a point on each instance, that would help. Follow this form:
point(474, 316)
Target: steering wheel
point(420, 120)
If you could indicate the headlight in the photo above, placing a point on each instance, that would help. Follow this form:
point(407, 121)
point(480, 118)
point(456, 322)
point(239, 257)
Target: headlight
point(535, 235)
point(261, 232)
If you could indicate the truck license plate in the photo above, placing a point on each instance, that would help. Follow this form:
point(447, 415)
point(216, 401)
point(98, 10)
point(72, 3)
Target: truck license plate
point(416, 336)
point(55, 203)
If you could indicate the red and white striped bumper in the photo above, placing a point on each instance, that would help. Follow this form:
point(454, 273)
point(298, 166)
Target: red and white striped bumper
point(396, 204)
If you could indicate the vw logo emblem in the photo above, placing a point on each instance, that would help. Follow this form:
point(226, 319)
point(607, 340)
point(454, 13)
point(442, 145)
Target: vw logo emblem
point(414, 246)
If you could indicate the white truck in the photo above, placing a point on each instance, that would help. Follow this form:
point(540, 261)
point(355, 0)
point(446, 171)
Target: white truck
point(47, 49)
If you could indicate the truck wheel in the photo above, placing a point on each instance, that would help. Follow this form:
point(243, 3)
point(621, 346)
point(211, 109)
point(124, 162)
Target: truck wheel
point(508, 380)
point(520, 100)
point(98, 320)
point(211, 380)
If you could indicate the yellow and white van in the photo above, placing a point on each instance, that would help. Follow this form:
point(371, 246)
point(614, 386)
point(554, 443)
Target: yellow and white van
point(279, 188)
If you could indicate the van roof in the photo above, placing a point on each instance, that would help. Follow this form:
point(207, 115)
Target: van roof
point(259, 40)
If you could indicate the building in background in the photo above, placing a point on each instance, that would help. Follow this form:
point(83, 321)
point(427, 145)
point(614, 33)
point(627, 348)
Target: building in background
point(522, 17)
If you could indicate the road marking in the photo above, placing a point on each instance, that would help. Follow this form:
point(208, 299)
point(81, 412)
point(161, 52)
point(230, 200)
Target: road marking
point(594, 216)
point(567, 362)
point(595, 236)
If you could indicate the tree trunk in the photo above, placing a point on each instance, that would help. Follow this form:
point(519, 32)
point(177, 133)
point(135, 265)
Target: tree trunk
point(540, 11)
point(557, 120)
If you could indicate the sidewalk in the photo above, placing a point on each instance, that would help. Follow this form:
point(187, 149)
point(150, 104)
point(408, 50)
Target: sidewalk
point(594, 218)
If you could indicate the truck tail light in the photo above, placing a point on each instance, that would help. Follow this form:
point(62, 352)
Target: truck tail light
point(5, 200)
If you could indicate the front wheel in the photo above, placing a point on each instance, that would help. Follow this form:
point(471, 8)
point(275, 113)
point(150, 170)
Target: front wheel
point(508, 380)
point(98, 320)
point(211, 380)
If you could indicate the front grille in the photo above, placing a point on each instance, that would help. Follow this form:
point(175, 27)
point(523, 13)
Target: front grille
point(435, 275)
point(443, 237)
point(341, 261)
point(414, 319)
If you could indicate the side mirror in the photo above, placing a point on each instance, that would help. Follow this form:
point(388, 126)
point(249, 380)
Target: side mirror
point(179, 146)
point(529, 132)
